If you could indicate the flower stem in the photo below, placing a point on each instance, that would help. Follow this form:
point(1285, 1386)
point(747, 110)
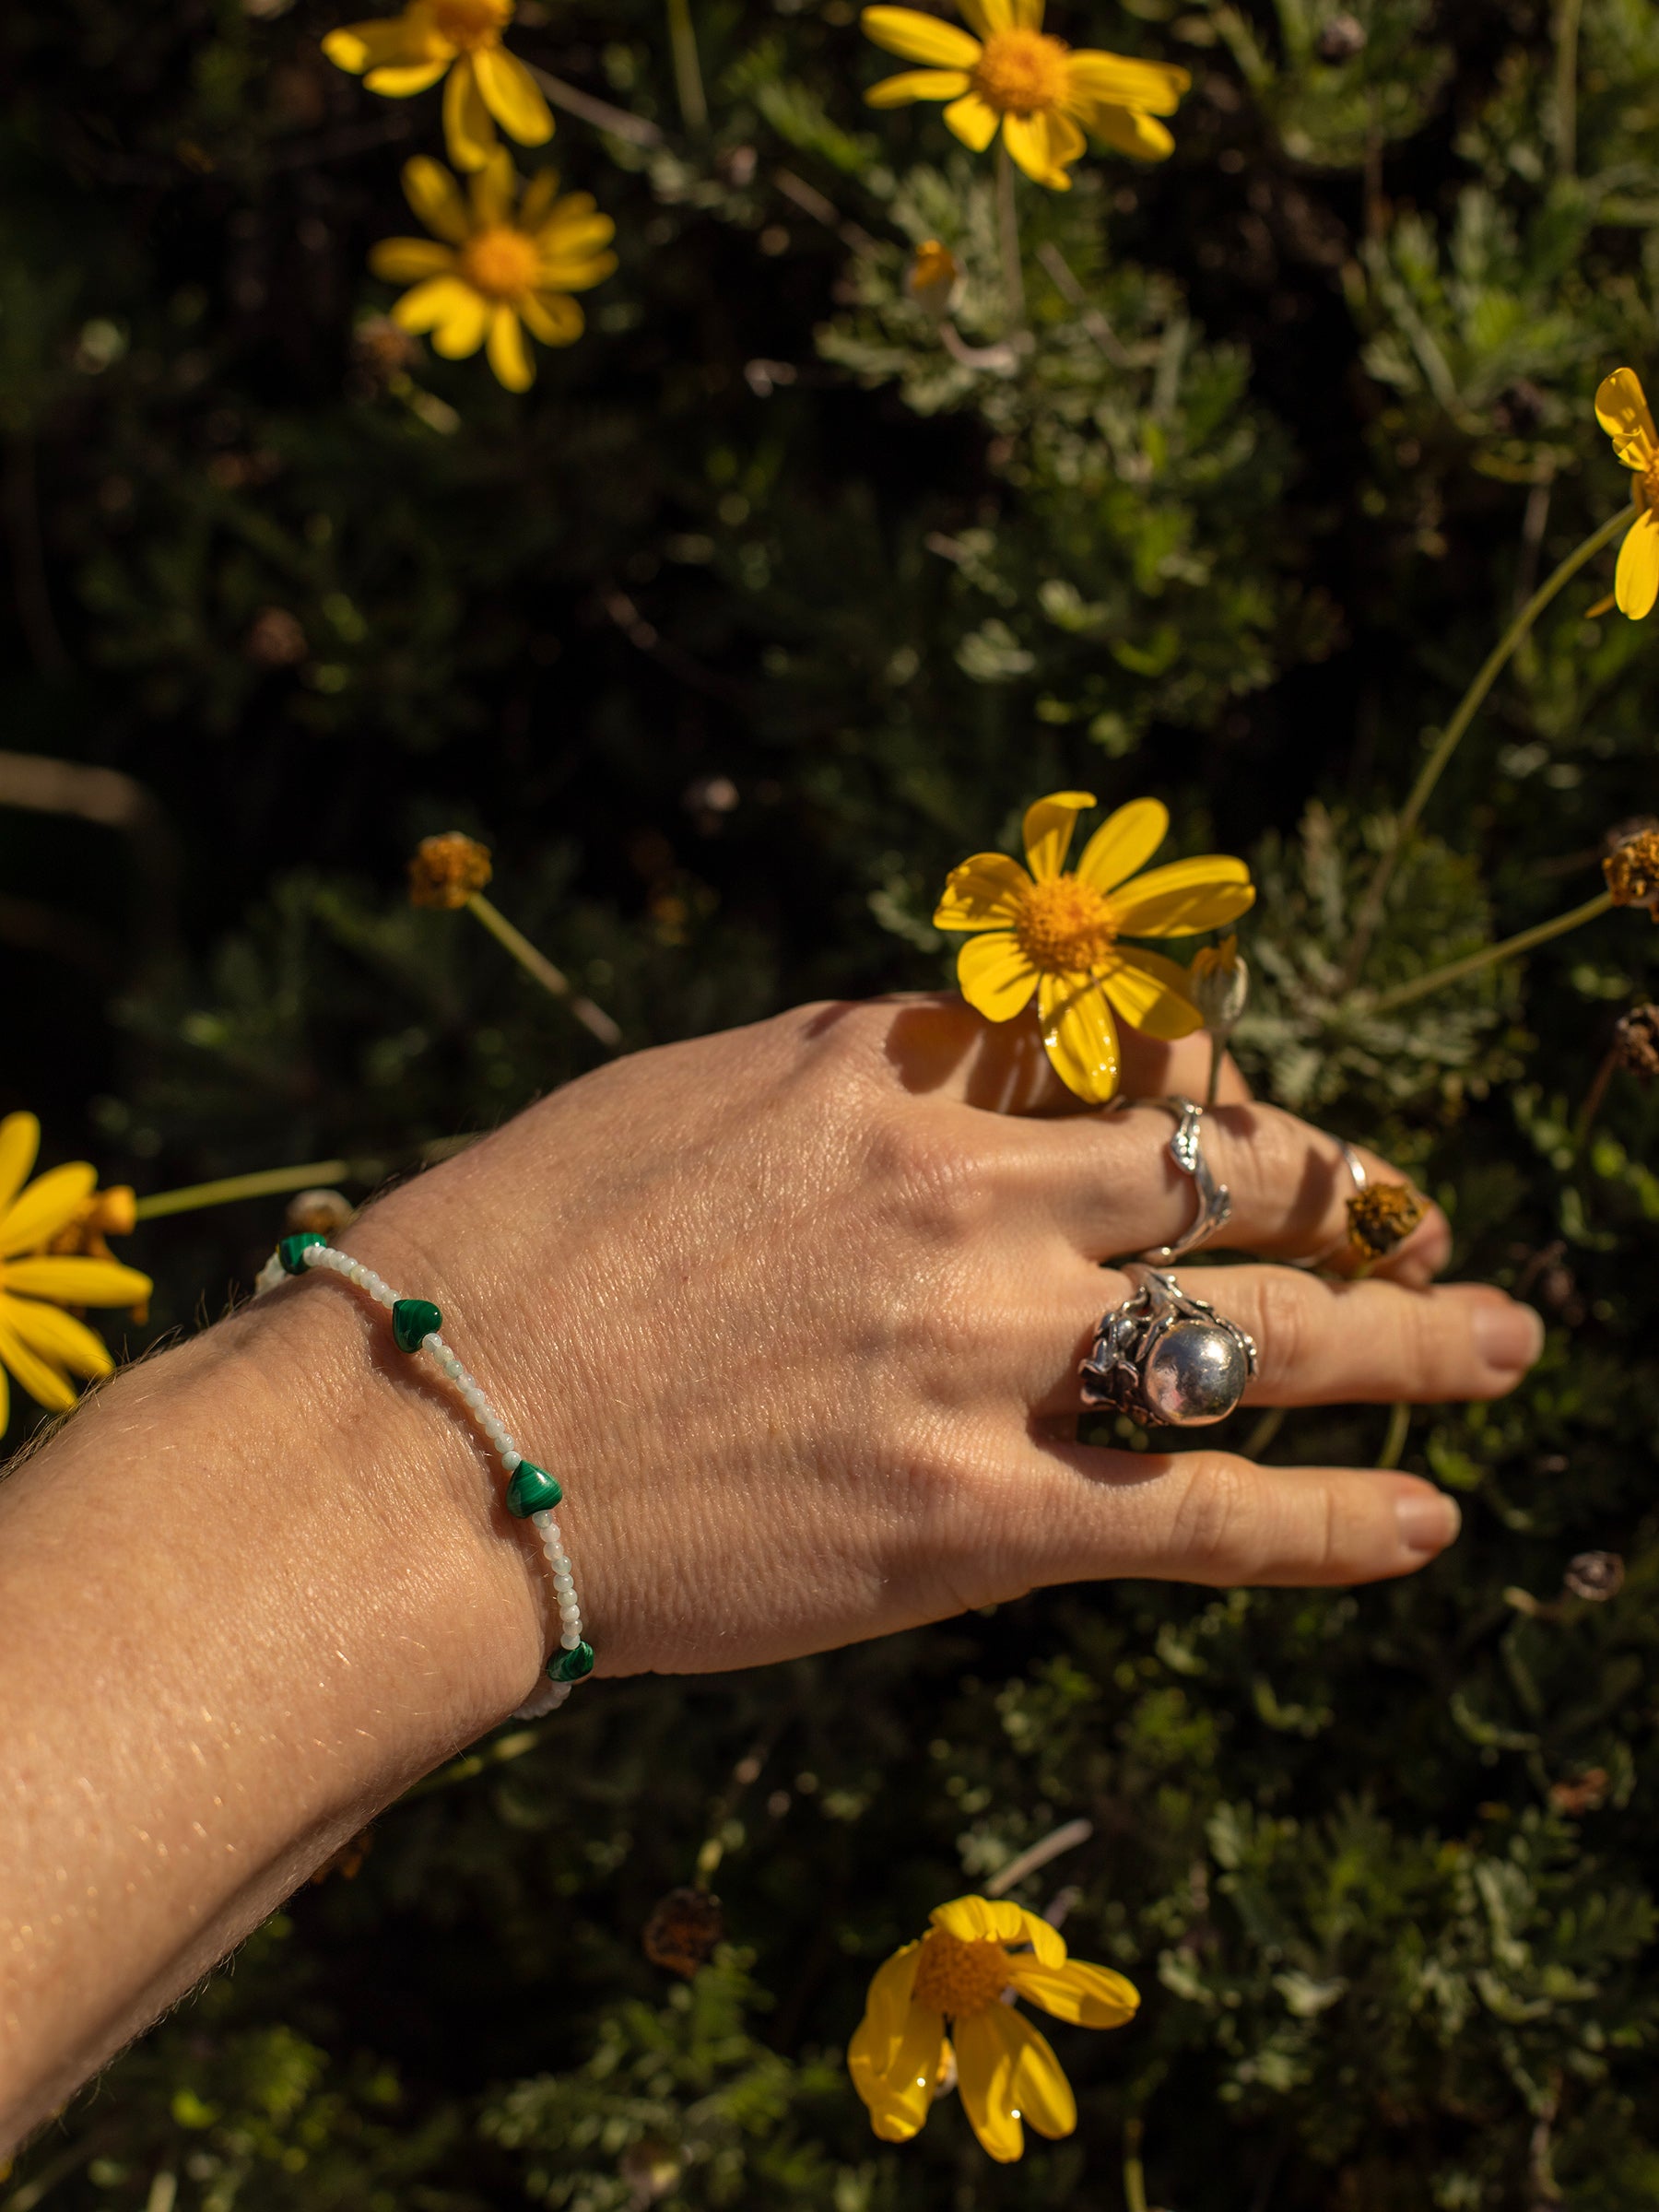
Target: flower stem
point(687, 70)
point(1217, 1053)
point(1394, 1442)
point(552, 980)
point(1567, 45)
point(1592, 1100)
point(1370, 906)
point(1008, 238)
point(267, 1182)
point(1135, 2172)
point(1487, 957)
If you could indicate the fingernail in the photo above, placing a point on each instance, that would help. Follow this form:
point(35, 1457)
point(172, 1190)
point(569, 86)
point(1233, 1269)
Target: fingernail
point(1429, 1520)
point(1507, 1335)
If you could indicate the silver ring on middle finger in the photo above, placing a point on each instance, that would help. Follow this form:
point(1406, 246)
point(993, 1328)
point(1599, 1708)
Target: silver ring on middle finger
point(1167, 1359)
point(1215, 1200)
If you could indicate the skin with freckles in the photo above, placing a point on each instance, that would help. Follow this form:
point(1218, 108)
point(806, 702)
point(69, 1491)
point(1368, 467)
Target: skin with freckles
point(795, 1313)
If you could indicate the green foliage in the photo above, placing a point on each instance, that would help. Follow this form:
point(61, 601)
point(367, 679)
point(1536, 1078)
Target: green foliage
point(781, 592)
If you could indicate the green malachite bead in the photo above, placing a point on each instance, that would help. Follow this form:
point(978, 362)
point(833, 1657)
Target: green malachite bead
point(413, 1321)
point(570, 1666)
point(292, 1250)
point(532, 1490)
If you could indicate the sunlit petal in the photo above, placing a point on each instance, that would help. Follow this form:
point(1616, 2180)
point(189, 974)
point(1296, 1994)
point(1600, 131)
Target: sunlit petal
point(45, 1207)
point(410, 260)
point(48, 1385)
point(557, 275)
point(468, 131)
point(917, 84)
point(1048, 831)
point(58, 1337)
point(1079, 1035)
point(918, 38)
point(1149, 993)
point(387, 41)
point(20, 1144)
point(1027, 140)
point(994, 976)
point(1090, 1997)
point(402, 84)
point(1039, 2090)
point(434, 196)
point(508, 354)
point(74, 1281)
point(1204, 892)
point(985, 892)
point(1120, 82)
point(513, 95)
point(552, 318)
point(1130, 131)
point(1622, 408)
point(493, 188)
point(1636, 579)
point(449, 307)
point(985, 2056)
point(1125, 841)
point(999, 1920)
point(973, 121)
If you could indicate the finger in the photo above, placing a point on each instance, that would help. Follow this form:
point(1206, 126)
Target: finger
point(1114, 1186)
point(940, 1047)
point(1214, 1518)
point(1326, 1343)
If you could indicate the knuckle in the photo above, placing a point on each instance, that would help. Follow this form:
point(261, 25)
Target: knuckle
point(1284, 1325)
point(1210, 1527)
point(928, 1167)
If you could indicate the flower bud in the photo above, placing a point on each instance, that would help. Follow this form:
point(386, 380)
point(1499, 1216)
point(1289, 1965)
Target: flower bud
point(933, 278)
point(447, 870)
point(1636, 1040)
point(1219, 980)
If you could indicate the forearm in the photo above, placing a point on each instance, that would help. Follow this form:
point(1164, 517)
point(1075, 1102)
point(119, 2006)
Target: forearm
point(252, 1590)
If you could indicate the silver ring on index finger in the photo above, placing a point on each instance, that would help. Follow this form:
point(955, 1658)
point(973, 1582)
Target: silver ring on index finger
point(1215, 1200)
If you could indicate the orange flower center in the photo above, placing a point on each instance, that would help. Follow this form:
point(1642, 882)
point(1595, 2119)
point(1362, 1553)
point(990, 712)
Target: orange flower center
point(1065, 925)
point(1021, 72)
point(959, 1978)
point(500, 262)
point(469, 24)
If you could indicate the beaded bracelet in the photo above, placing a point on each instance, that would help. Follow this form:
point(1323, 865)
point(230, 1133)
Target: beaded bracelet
point(531, 1492)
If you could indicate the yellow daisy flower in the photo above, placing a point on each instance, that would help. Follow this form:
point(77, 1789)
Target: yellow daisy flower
point(976, 1948)
point(1622, 408)
point(402, 54)
point(1058, 934)
point(42, 1345)
point(500, 268)
point(1016, 75)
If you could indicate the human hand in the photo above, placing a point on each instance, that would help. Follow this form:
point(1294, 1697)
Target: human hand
point(795, 1313)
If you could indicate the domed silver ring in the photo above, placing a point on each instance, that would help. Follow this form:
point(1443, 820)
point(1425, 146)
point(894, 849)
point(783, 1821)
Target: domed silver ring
point(1165, 1359)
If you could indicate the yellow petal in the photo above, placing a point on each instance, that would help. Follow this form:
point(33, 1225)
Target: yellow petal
point(451, 309)
point(985, 2081)
point(434, 196)
point(58, 1337)
point(493, 188)
point(76, 1282)
point(974, 121)
point(19, 1143)
point(901, 2096)
point(45, 1207)
point(1118, 82)
point(1129, 130)
point(1065, 141)
point(1079, 1035)
point(1636, 579)
point(985, 892)
point(1039, 2090)
point(917, 84)
point(918, 38)
point(1125, 841)
point(1150, 993)
point(468, 133)
point(560, 274)
point(1202, 893)
point(408, 260)
point(999, 1920)
point(1090, 1997)
point(385, 41)
point(508, 355)
point(993, 14)
point(1622, 408)
point(513, 95)
point(1048, 829)
point(994, 976)
point(552, 318)
point(47, 1386)
point(570, 235)
point(1030, 144)
point(402, 84)
point(887, 2000)
point(536, 206)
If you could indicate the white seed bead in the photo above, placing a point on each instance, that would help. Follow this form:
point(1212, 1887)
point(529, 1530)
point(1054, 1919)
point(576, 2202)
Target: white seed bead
point(512, 1459)
point(542, 1518)
point(570, 1639)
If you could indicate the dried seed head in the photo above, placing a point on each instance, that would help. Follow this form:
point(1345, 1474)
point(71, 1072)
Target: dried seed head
point(1381, 1217)
point(1633, 870)
point(1582, 1795)
point(1596, 1575)
point(1218, 980)
point(325, 1212)
point(1636, 1040)
point(1341, 38)
point(274, 639)
point(447, 870)
point(683, 1931)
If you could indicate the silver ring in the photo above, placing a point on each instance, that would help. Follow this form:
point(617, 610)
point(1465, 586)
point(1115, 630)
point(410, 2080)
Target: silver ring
point(1215, 1200)
point(1167, 1360)
point(1361, 1181)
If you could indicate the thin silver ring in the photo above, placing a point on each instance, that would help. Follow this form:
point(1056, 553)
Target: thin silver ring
point(1166, 1358)
point(1362, 1180)
point(1215, 1200)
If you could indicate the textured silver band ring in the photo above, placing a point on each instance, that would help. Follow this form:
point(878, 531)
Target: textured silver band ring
point(1165, 1359)
point(1215, 1200)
